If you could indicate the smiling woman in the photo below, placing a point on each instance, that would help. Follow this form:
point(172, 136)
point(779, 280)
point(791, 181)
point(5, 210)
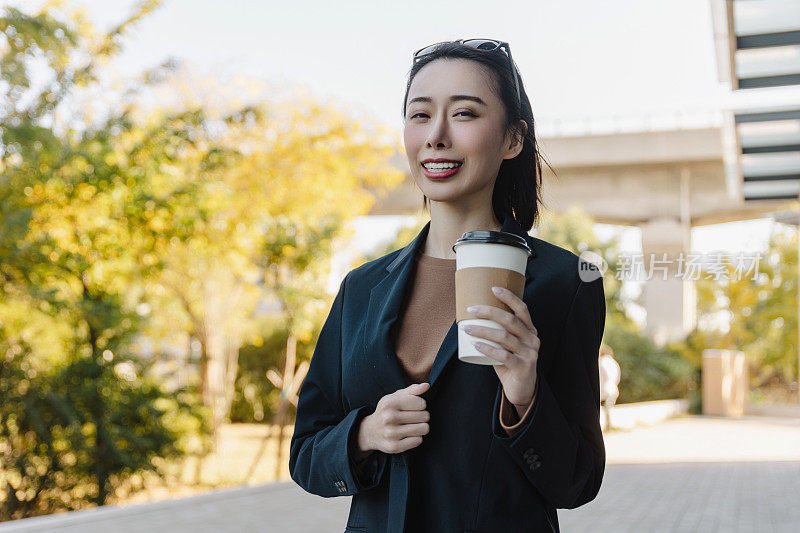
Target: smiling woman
point(495, 101)
point(387, 413)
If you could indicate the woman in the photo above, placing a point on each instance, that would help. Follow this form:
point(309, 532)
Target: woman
point(387, 412)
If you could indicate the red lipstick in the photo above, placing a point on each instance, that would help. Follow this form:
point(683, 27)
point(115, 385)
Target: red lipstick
point(440, 174)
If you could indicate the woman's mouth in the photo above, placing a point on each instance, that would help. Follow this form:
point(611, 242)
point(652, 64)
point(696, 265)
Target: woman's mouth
point(438, 171)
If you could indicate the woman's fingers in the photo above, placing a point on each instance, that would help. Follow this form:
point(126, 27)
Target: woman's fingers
point(510, 322)
point(405, 401)
point(505, 357)
point(412, 417)
point(410, 403)
point(406, 444)
point(401, 419)
point(519, 307)
point(402, 437)
point(395, 417)
point(411, 430)
point(518, 323)
point(511, 344)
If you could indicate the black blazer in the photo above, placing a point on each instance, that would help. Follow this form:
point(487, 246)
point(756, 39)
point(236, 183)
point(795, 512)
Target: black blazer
point(468, 475)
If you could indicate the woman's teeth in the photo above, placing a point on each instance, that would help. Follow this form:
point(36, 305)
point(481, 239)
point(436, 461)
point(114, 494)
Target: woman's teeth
point(440, 166)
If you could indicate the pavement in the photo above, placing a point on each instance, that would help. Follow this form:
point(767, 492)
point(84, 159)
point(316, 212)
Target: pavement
point(698, 474)
point(687, 474)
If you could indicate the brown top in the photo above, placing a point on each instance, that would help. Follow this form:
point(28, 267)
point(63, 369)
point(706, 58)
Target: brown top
point(429, 312)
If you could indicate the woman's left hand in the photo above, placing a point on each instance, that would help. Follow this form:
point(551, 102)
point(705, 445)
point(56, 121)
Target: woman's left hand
point(520, 345)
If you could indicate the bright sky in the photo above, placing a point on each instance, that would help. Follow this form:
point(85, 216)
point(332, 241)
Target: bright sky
point(579, 58)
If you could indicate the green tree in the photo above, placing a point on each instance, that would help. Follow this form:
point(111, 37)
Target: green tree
point(175, 207)
point(69, 437)
point(758, 308)
point(78, 221)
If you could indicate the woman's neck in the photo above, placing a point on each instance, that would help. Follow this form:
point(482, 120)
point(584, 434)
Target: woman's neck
point(447, 227)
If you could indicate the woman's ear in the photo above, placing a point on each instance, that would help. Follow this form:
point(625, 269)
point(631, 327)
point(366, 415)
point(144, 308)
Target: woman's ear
point(517, 140)
point(524, 127)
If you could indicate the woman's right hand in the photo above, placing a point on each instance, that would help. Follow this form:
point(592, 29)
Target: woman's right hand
point(398, 423)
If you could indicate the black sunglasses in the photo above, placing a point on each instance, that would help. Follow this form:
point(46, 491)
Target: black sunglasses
point(487, 45)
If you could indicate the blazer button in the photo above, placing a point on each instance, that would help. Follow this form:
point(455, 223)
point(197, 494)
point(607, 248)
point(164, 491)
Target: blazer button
point(528, 453)
point(535, 465)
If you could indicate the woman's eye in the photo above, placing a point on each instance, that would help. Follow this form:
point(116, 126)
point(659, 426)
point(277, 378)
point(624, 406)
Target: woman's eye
point(468, 113)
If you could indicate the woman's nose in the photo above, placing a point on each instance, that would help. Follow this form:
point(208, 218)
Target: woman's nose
point(438, 135)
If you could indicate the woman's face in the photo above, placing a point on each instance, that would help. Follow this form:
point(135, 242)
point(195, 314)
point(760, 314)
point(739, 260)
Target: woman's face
point(453, 114)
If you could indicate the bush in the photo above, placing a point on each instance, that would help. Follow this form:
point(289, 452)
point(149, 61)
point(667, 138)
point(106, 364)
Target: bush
point(70, 436)
point(649, 372)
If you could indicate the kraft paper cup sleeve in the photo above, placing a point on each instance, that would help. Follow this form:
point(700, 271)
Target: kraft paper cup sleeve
point(474, 287)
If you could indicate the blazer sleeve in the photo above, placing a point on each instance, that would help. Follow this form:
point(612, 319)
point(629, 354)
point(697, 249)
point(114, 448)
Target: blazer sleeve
point(509, 419)
point(560, 446)
point(319, 459)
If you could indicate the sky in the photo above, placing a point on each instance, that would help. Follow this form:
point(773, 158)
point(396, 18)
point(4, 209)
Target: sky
point(579, 59)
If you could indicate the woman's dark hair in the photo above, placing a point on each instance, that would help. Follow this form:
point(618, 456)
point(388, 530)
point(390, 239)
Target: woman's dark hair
point(517, 190)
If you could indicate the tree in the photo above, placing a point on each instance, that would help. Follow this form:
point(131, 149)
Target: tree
point(70, 436)
point(172, 206)
point(78, 222)
point(285, 177)
point(758, 305)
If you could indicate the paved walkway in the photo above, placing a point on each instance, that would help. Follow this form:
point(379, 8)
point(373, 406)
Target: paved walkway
point(694, 473)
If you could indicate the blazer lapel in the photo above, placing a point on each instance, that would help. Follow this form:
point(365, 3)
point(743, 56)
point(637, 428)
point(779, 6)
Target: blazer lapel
point(385, 301)
point(383, 309)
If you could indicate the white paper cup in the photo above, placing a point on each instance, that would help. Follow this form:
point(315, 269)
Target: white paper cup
point(483, 259)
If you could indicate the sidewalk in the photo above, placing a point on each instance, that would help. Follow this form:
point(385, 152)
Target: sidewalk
point(693, 473)
point(697, 473)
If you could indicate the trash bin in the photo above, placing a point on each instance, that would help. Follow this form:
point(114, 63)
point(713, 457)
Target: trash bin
point(725, 382)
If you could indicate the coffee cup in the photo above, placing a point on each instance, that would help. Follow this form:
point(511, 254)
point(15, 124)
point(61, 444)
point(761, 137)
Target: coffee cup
point(486, 259)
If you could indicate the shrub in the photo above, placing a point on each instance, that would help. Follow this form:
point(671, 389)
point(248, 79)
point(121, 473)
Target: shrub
point(69, 436)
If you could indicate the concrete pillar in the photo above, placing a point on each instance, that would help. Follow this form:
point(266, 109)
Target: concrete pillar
point(669, 296)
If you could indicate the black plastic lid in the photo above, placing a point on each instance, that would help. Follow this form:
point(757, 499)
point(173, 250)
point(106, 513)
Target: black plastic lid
point(493, 237)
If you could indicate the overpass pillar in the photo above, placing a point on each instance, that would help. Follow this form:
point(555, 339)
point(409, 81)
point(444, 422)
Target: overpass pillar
point(669, 295)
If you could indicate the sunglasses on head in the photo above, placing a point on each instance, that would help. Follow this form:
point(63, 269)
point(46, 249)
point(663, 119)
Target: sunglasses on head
point(487, 45)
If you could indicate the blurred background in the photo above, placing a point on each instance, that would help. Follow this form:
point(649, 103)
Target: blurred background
point(184, 184)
